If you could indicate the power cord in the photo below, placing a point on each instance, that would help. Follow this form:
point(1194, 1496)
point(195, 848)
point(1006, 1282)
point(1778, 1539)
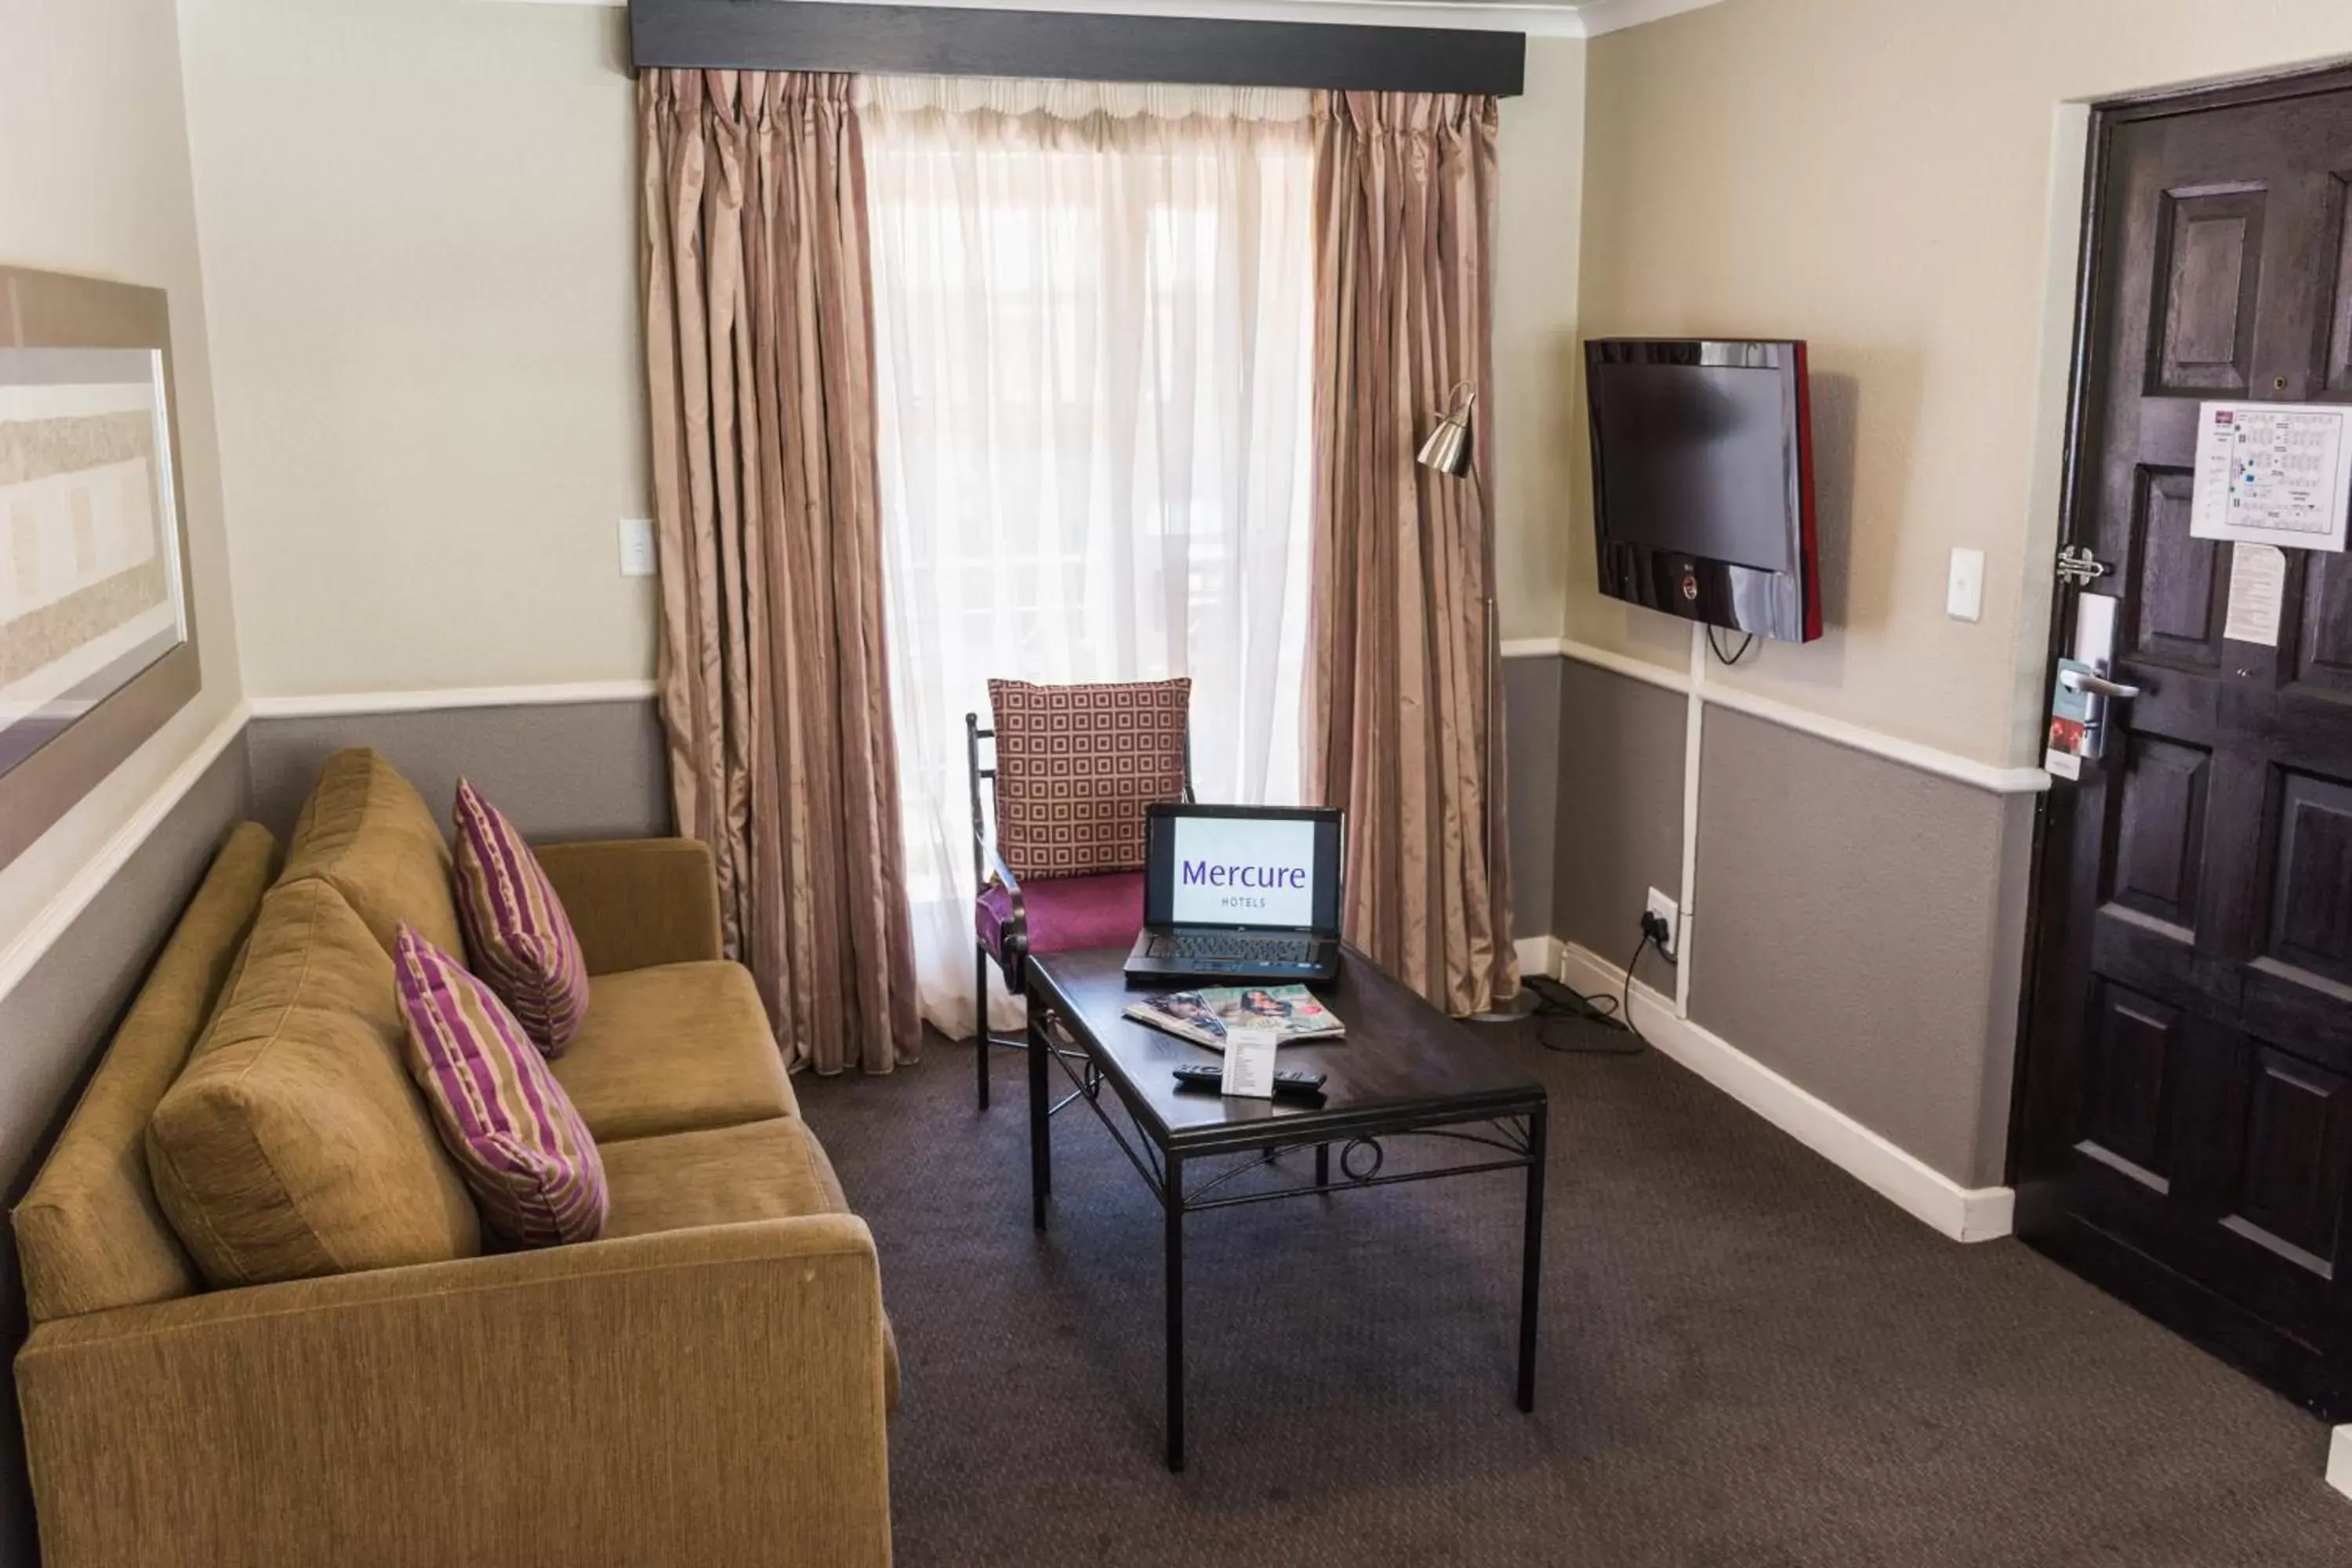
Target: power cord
point(1745, 642)
point(1611, 1013)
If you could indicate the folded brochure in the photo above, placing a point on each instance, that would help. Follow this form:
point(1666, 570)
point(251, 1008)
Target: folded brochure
point(1203, 1016)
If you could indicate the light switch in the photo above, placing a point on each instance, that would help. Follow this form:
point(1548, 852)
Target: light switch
point(636, 547)
point(1964, 599)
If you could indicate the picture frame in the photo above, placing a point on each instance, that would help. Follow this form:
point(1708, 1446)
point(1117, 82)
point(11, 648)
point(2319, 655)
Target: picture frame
point(98, 623)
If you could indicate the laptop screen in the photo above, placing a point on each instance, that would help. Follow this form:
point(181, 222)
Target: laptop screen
point(1239, 866)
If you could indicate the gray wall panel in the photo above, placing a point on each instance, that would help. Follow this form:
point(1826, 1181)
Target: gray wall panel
point(55, 1022)
point(580, 770)
point(1858, 932)
point(1531, 745)
point(1620, 822)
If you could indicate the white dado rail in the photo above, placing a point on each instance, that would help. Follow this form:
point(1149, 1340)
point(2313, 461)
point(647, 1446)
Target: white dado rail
point(342, 704)
point(1854, 737)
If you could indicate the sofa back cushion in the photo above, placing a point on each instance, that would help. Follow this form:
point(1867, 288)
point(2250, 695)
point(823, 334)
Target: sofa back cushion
point(293, 1143)
point(1076, 764)
point(89, 1234)
point(368, 834)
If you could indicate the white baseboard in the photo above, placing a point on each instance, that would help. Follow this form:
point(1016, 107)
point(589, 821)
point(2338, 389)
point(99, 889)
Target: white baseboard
point(1964, 1214)
point(2339, 1460)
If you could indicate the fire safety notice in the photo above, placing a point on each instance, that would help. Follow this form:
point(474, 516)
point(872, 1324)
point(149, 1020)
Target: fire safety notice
point(2274, 473)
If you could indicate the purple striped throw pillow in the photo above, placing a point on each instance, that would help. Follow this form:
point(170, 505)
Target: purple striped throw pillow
point(523, 1151)
point(517, 934)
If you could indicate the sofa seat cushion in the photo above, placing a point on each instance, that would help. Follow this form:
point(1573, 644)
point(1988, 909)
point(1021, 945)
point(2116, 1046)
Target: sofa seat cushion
point(672, 1049)
point(1065, 914)
point(774, 1169)
point(293, 1144)
point(729, 1175)
point(368, 834)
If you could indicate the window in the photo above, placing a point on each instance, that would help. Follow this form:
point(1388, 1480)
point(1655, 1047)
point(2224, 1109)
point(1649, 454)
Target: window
point(1094, 322)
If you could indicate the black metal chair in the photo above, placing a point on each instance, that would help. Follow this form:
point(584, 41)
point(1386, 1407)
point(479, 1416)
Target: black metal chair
point(1057, 914)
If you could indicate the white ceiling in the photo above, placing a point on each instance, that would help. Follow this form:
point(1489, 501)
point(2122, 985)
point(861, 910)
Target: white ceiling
point(1544, 18)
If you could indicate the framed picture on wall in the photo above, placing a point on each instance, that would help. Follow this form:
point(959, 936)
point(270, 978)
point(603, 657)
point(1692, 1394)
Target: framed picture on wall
point(97, 622)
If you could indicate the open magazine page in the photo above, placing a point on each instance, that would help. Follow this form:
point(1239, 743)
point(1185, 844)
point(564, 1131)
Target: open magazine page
point(1202, 1017)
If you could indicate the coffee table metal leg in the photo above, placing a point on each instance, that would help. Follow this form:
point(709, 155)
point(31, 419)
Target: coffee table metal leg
point(1531, 1258)
point(1171, 1204)
point(1041, 1119)
point(1322, 1164)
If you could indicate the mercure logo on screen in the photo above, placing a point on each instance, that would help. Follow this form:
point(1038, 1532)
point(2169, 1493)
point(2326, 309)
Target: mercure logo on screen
point(1220, 874)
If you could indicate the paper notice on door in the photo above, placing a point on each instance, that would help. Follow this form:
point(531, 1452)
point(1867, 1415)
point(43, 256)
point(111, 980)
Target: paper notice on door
point(2257, 589)
point(2276, 473)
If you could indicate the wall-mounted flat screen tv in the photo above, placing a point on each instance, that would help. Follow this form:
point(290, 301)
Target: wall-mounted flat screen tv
point(1703, 480)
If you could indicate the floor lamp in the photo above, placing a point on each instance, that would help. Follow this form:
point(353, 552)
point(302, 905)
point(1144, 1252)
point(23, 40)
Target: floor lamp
point(1452, 449)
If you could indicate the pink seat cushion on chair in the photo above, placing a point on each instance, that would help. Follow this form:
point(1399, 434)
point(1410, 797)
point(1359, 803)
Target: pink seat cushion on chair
point(1065, 914)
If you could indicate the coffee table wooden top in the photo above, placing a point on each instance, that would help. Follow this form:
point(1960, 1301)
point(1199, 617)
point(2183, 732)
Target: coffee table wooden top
point(1403, 1063)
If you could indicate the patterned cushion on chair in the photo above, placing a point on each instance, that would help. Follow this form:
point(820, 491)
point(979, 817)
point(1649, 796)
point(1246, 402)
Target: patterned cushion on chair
point(1076, 766)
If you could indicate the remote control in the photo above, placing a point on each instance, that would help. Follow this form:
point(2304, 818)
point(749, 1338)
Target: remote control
point(1286, 1081)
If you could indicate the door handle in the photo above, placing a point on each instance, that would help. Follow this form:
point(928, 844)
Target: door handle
point(2096, 685)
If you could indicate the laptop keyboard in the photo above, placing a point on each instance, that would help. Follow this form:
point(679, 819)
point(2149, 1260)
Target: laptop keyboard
point(1233, 947)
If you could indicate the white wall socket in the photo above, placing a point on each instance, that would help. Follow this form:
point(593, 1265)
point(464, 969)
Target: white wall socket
point(636, 547)
point(1666, 909)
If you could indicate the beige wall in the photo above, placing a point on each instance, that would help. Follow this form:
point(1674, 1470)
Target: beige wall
point(429, 374)
point(94, 180)
point(1538, 207)
point(1876, 178)
point(418, 217)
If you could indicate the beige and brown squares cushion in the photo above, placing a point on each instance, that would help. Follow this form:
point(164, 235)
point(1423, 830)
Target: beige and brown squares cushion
point(1076, 764)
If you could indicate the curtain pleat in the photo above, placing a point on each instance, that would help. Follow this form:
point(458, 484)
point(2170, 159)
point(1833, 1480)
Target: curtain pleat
point(1404, 717)
point(774, 690)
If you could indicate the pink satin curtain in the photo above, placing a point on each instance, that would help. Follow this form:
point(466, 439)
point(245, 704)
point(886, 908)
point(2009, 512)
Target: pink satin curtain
point(1404, 717)
point(774, 690)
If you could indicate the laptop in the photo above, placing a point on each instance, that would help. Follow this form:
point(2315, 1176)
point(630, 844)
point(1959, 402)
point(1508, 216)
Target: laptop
point(1239, 892)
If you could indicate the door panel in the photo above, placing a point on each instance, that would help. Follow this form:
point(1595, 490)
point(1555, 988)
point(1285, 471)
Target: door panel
point(2210, 265)
point(2178, 596)
point(2185, 1112)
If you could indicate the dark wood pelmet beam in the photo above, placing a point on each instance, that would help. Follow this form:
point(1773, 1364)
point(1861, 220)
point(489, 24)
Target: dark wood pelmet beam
point(916, 40)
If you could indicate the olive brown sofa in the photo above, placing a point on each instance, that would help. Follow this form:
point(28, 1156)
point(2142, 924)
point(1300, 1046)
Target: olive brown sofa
point(707, 1383)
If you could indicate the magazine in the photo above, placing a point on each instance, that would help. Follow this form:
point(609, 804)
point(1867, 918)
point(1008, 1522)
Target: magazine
point(1202, 1017)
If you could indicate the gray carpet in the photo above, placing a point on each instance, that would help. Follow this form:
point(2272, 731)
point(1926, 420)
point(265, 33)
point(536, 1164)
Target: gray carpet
point(1748, 1359)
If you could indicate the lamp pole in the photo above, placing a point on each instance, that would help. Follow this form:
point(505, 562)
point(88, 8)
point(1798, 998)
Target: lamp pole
point(1452, 449)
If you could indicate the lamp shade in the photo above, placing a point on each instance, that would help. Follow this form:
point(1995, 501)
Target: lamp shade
point(1452, 446)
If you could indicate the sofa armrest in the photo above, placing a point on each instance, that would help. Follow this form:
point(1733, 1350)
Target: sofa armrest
point(706, 1395)
point(636, 902)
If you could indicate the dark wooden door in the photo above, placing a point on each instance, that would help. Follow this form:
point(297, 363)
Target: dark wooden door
point(2184, 1126)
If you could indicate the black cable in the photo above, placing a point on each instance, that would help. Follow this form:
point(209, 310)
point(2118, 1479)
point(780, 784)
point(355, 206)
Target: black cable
point(1611, 1013)
point(1745, 642)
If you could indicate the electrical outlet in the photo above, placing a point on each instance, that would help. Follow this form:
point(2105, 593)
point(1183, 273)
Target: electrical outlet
point(1665, 909)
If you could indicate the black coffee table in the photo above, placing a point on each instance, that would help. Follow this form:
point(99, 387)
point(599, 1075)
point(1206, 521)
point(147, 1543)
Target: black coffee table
point(1403, 1069)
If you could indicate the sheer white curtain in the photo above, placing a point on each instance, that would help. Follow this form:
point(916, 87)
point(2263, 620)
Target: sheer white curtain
point(1093, 319)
